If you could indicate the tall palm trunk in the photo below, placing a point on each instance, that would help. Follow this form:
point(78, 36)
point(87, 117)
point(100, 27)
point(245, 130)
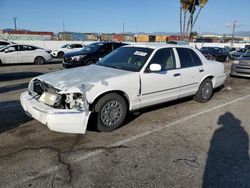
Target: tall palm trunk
point(181, 34)
point(184, 25)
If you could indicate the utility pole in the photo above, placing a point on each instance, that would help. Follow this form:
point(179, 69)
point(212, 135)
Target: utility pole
point(123, 25)
point(63, 26)
point(234, 26)
point(15, 22)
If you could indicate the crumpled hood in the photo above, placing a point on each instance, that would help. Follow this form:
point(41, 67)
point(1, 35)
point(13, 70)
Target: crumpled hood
point(76, 77)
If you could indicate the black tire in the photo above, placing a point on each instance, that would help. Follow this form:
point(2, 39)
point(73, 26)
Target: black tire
point(60, 55)
point(111, 112)
point(39, 60)
point(1, 62)
point(89, 62)
point(204, 92)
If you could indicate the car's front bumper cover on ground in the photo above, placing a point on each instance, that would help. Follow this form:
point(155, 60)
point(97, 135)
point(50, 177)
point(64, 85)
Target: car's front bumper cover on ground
point(60, 120)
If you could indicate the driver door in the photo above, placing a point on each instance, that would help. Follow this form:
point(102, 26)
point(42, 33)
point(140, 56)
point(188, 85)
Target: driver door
point(11, 55)
point(162, 86)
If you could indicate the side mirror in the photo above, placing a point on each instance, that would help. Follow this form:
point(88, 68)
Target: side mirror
point(155, 67)
point(7, 50)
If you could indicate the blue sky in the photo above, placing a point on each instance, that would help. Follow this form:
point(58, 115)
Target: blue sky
point(108, 15)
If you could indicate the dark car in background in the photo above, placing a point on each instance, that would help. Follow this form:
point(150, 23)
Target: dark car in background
point(241, 65)
point(90, 54)
point(216, 53)
point(238, 53)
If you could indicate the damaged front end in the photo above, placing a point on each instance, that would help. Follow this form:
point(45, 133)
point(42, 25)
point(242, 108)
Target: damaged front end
point(62, 111)
point(73, 98)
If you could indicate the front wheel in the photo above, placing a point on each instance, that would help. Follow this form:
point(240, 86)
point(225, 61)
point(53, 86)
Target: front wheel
point(39, 60)
point(60, 55)
point(205, 91)
point(89, 62)
point(111, 112)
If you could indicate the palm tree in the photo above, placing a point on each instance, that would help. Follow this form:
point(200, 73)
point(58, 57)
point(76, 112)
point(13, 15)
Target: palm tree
point(202, 3)
point(189, 6)
point(184, 5)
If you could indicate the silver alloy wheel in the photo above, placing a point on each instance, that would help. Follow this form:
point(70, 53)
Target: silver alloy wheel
point(206, 91)
point(111, 113)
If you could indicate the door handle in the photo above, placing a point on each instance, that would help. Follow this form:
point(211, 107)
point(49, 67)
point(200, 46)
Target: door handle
point(177, 74)
point(201, 70)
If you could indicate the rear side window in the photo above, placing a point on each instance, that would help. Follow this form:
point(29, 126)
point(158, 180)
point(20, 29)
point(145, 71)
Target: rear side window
point(188, 58)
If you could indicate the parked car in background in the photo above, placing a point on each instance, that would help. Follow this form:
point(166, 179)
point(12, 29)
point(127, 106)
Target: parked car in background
point(17, 53)
point(241, 65)
point(90, 54)
point(238, 53)
point(4, 43)
point(66, 48)
point(127, 79)
point(216, 53)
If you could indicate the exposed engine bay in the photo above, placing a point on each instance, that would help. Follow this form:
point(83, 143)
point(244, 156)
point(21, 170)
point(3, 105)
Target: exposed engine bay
point(53, 97)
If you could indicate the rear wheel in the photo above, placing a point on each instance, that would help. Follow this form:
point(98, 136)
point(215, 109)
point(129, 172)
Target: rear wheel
point(39, 60)
point(1, 62)
point(205, 91)
point(111, 112)
point(60, 54)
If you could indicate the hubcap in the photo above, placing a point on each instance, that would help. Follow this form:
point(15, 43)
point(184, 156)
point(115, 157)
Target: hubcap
point(206, 91)
point(111, 113)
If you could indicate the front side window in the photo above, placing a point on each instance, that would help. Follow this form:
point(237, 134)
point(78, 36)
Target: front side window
point(127, 58)
point(164, 57)
point(26, 48)
point(78, 46)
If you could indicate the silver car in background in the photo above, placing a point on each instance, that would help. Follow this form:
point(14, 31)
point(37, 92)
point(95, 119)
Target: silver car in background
point(241, 65)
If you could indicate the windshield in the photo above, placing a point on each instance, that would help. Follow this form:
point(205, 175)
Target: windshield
point(65, 46)
point(247, 53)
point(92, 47)
point(127, 58)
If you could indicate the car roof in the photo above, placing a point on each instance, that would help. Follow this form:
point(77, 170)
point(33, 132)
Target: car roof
point(108, 42)
point(156, 46)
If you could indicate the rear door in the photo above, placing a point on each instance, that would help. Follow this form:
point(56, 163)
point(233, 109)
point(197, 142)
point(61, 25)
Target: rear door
point(191, 71)
point(27, 53)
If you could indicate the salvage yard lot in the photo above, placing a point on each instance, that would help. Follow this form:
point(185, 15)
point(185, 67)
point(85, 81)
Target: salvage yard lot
point(177, 144)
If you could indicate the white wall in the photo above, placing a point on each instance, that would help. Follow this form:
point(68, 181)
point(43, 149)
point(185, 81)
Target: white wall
point(57, 44)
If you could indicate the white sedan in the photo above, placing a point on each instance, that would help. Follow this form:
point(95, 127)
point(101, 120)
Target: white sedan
point(17, 53)
point(66, 49)
point(127, 79)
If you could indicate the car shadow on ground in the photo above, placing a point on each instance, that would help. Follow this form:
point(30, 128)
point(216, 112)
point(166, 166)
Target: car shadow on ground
point(12, 115)
point(18, 75)
point(227, 163)
point(14, 87)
